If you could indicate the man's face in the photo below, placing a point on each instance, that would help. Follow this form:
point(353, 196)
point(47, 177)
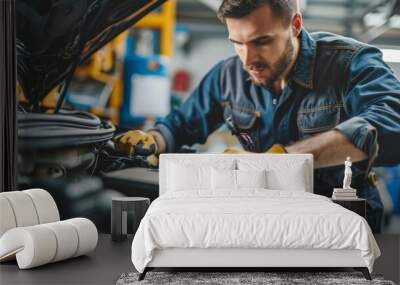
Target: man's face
point(265, 45)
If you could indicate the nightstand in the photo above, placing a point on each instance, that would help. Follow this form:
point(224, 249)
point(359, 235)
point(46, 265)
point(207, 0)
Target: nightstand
point(120, 206)
point(357, 205)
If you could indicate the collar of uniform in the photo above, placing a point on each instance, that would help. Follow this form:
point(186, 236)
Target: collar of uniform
point(304, 68)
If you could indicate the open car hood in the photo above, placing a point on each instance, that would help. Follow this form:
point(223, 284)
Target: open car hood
point(53, 36)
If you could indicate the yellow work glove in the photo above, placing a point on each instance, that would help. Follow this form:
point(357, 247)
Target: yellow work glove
point(137, 143)
point(276, 148)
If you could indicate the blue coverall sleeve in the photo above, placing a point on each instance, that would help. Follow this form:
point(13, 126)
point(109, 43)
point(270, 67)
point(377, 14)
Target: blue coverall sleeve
point(372, 101)
point(199, 115)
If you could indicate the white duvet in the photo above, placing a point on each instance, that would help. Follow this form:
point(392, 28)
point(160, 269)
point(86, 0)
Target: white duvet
point(250, 219)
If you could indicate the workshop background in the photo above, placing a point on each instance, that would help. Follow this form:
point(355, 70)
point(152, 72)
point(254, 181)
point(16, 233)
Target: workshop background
point(147, 71)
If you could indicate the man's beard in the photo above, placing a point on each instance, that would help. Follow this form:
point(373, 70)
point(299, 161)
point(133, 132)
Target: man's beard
point(278, 68)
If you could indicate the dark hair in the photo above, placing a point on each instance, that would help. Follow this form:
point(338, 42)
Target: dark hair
point(240, 8)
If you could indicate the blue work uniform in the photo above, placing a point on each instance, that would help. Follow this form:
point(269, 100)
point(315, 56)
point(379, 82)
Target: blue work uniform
point(336, 83)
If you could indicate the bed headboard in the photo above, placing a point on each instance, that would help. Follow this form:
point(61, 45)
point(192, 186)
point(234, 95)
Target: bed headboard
point(282, 163)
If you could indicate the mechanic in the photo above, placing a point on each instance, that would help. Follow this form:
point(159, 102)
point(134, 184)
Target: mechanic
point(289, 91)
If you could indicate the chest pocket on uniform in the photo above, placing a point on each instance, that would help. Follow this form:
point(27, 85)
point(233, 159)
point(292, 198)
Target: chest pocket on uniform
point(318, 119)
point(243, 124)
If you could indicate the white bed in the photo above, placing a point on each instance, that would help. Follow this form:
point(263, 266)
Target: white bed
point(194, 223)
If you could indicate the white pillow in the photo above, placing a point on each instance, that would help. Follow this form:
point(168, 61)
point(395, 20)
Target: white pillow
point(191, 175)
point(251, 178)
point(183, 177)
point(224, 179)
point(293, 181)
point(282, 174)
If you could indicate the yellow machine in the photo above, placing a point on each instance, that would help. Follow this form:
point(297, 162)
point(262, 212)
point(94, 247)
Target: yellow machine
point(106, 65)
point(165, 22)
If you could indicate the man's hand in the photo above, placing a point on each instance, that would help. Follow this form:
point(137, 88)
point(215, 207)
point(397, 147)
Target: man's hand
point(329, 148)
point(137, 143)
